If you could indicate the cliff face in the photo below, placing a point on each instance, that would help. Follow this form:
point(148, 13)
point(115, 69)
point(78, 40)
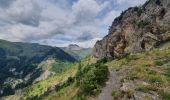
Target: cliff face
point(136, 29)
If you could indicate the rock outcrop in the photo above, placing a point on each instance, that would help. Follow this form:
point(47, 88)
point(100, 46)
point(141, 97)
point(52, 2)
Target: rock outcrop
point(136, 29)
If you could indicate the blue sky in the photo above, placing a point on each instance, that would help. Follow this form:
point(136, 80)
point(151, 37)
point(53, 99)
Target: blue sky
point(59, 22)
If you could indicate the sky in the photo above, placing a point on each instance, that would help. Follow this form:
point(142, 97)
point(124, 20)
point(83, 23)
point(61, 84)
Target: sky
point(59, 22)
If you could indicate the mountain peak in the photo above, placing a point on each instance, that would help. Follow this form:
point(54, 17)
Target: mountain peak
point(74, 47)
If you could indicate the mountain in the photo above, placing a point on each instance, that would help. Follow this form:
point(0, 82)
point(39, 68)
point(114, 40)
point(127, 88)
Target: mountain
point(139, 76)
point(77, 52)
point(136, 75)
point(24, 63)
point(74, 47)
point(136, 29)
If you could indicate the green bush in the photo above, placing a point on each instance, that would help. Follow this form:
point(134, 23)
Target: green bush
point(139, 10)
point(142, 24)
point(142, 88)
point(117, 94)
point(159, 63)
point(91, 78)
point(155, 79)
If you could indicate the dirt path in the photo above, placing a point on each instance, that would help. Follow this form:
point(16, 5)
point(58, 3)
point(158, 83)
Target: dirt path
point(112, 84)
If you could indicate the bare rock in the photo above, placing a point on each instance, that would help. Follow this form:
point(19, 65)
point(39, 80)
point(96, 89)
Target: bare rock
point(146, 96)
point(136, 29)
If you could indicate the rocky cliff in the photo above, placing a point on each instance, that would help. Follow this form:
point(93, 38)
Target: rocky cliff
point(136, 29)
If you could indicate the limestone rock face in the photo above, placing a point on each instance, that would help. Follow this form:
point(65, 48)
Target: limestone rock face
point(136, 29)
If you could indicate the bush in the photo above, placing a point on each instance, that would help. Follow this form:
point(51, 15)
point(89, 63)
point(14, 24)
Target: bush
point(92, 78)
point(142, 24)
point(159, 63)
point(117, 94)
point(102, 61)
point(139, 10)
point(155, 79)
point(142, 88)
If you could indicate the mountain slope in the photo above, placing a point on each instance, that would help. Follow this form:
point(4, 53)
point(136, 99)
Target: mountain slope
point(22, 63)
point(77, 52)
point(140, 76)
point(136, 29)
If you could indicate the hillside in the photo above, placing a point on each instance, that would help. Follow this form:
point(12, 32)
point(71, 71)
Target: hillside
point(141, 76)
point(137, 53)
point(77, 52)
point(134, 77)
point(131, 63)
point(136, 29)
point(23, 63)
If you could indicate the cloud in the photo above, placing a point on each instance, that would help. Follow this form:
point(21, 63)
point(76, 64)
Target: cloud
point(85, 11)
point(5, 3)
point(58, 22)
point(18, 12)
point(131, 2)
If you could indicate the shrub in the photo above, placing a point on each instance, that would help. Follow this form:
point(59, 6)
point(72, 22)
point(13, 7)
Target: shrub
point(155, 79)
point(159, 63)
point(158, 2)
point(117, 94)
point(92, 78)
point(139, 10)
point(132, 75)
point(142, 24)
point(102, 61)
point(142, 88)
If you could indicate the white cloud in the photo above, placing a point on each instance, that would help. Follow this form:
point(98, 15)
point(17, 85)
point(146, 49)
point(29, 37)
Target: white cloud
point(57, 22)
point(108, 19)
point(131, 2)
point(21, 11)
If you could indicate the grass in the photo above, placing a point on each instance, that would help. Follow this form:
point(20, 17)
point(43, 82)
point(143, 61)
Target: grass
point(91, 78)
point(167, 72)
point(159, 62)
point(165, 95)
point(67, 93)
point(151, 67)
point(117, 94)
point(38, 89)
point(145, 88)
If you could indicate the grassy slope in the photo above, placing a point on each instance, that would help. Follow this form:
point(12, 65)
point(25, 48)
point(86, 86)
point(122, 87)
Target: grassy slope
point(150, 67)
point(79, 54)
point(42, 87)
point(146, 73)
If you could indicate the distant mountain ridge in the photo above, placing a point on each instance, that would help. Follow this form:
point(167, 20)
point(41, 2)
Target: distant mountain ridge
point(77, 52)
point(20, 63)
point(74, 47)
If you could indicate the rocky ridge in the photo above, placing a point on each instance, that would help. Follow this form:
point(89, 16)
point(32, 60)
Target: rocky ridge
point(136, 29)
